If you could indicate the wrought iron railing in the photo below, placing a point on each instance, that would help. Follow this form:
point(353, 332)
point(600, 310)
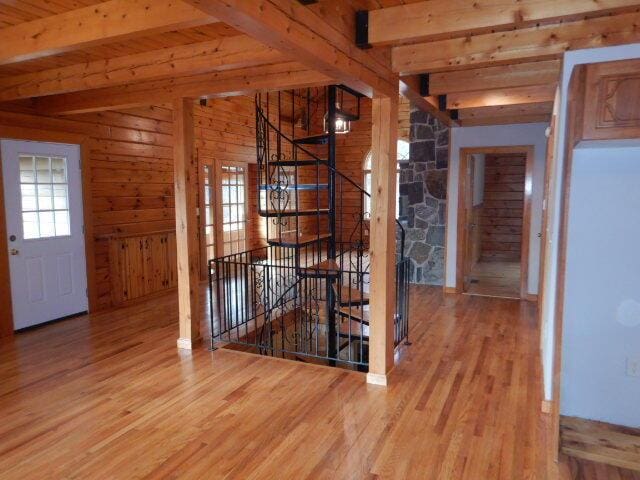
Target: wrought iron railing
point(292, 303)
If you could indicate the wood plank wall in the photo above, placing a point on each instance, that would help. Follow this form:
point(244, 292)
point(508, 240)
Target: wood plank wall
point(131, 163)
point(501, 220)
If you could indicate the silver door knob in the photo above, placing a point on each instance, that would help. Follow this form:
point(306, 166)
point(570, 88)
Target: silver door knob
point(14, 251)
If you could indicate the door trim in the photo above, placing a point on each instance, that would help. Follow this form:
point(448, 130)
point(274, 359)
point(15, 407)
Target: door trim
point(462, 230)
point(37, 135)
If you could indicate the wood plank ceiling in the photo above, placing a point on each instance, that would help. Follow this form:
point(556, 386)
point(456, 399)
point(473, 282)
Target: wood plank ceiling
point(496, 61)
point(486, 61)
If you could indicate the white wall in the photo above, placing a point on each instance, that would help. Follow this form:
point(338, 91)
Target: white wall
point(498, 136)
point(478, 178)
point(602, 299)
point(570, 60)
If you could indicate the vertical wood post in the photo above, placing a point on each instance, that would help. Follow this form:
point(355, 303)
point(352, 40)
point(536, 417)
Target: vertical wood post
point(383, 237)
point(187, 231)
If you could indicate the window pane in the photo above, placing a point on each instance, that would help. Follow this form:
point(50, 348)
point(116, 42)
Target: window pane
point(59, 170)
point(30, 225)
point(207, 195)
point(241, 195)
point(208, 215)
point(403, 150)
point(62, 223)
point(45, 201)
point(29, 203)
point(226, 215)
point(60, 201)
point(43, 170)
point(27, 172)
point(208, 232)
point(225, 194)
point(47, 225)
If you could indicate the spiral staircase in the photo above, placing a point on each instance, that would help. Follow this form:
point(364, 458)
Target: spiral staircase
point(305, 295)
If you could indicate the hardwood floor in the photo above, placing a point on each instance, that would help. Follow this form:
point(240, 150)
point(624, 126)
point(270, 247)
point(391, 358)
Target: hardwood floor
point(110, 396)
point(495, 279)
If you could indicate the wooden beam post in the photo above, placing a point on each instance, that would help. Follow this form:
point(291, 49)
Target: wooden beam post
point(383, 237)
point(187, 232)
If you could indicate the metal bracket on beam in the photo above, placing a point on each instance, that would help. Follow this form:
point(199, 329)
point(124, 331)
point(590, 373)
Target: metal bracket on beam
point(203, 102)
point(424, 85)
point(454, 114)
point(362, 29)
point(308, 2)
point(442, 103)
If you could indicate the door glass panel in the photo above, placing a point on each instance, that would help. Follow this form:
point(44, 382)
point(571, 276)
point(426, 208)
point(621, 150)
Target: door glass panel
point(44, 196)
point(209, 239)
point(233, 208)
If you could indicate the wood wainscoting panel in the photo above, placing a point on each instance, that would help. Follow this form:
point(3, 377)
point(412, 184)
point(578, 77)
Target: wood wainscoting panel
point(601, 442)
point(142, 265)
point(613, 109)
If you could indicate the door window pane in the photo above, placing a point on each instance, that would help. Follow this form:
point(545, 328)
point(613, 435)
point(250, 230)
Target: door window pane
point(44, 196)
point(233, 208)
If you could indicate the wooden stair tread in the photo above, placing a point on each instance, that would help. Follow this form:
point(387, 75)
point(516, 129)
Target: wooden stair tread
point(357, 329)
point(351, 296)
point(299, 163)
point(292, 213)
point(326, 267)
point(295, 240)
point(355, 313)
point(321, 139)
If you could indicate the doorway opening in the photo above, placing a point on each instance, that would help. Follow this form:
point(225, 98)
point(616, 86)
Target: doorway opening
point(494, 211)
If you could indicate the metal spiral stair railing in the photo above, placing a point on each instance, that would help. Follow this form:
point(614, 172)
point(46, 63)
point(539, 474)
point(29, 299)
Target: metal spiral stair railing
point(319, 256)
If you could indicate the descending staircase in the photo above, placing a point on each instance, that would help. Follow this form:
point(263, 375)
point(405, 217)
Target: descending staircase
point(305, 295)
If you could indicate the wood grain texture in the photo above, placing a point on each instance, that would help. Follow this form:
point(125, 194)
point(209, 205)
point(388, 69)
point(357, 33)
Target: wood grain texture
point(445, 18)
point(108, 396)
point(601, 442)
point(109, 21)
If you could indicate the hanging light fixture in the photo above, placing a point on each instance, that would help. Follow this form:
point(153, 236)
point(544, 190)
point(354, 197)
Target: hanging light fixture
point(342, 124)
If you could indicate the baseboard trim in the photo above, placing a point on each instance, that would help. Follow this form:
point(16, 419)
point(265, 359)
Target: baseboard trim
point(532, 297)
point(377, 379)
point(450, 290)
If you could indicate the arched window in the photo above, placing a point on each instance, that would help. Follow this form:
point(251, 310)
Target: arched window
point(402, 156)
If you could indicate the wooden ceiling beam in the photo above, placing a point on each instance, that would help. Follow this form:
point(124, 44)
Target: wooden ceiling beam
point(531, 44)
point(527, 109)
point(502, 96)
point(505, 120)
point(113, 20)
point(439, 19)
point(216, 84)
point(216, 55)
point(299, 32)
point(490, 78)
point(410, 88)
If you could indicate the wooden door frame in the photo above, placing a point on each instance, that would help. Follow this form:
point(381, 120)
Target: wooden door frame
point(39, 135)
point(206, 160)
point(218, 191)
point(462, 230)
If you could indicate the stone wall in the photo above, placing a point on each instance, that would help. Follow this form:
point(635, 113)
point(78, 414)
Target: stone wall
point(423, 194)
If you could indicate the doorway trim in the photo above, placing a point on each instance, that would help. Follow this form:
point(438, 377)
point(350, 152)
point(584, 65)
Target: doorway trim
point(462, 230)
point(38, 135)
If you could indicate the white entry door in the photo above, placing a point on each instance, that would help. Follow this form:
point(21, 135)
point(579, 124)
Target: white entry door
point(43, 202)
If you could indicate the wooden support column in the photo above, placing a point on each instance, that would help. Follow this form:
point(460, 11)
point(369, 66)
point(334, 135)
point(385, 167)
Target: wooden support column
point(383, 237)
point(187, 232)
